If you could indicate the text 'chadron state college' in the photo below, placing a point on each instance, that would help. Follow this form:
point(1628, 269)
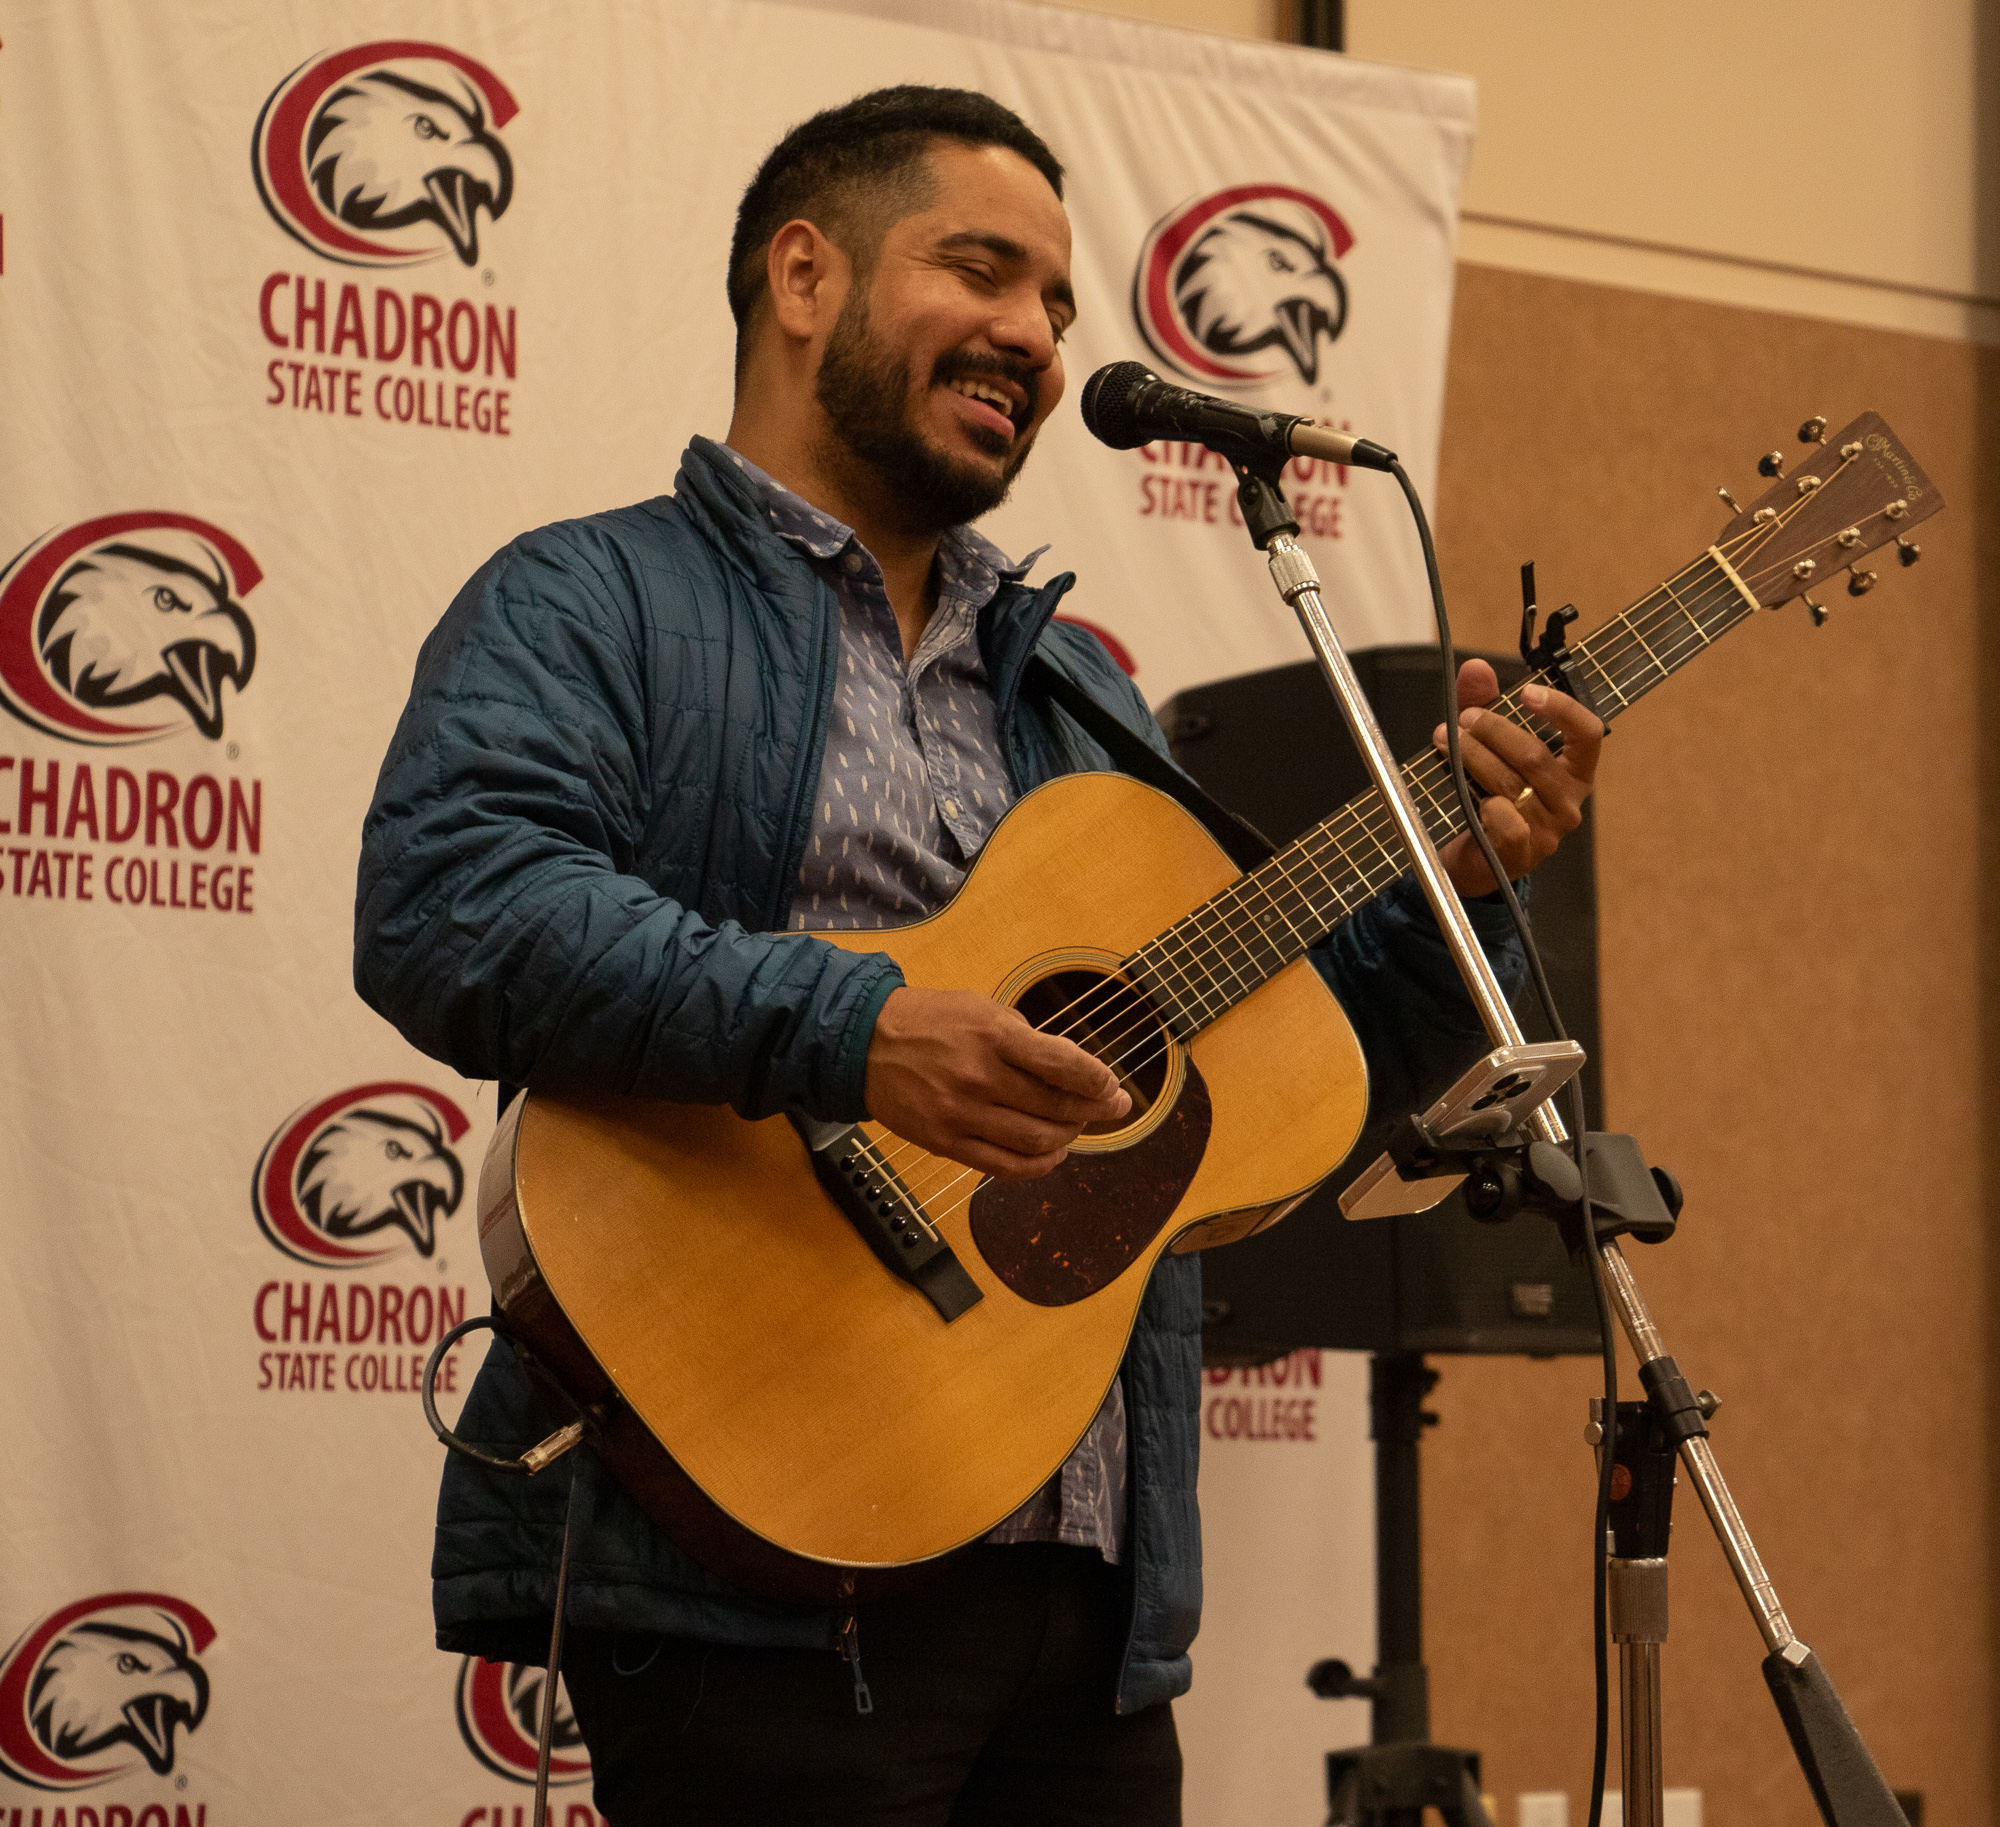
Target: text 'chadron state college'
point(389, 155)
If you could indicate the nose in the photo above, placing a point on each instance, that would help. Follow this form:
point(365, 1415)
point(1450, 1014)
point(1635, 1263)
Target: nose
point(1021, 327)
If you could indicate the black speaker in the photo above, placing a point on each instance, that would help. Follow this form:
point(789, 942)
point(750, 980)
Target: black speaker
point(1272, 746)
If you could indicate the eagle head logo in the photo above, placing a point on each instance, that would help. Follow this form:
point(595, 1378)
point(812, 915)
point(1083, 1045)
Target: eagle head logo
point(106, 625)
point(500, 1719)
point(1227, 277)
point(117, 1670)
point(386, 153)
point(356, 1177)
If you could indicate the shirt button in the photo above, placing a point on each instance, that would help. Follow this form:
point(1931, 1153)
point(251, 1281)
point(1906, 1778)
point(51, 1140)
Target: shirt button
point(852, 561)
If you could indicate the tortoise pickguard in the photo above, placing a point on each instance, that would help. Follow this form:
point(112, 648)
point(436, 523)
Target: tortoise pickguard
point(1060, 1238)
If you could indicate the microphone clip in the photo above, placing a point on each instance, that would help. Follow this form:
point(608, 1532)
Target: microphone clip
point(1262, 501)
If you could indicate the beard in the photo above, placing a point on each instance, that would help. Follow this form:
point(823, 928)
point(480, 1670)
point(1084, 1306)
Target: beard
point(869, 395)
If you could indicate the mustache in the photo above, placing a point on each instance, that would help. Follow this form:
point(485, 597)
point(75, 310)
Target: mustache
point(962, 363)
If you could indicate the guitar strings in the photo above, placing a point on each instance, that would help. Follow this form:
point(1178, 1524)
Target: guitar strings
point(1107, 992)
point(1630, 627)
point(1364, 815)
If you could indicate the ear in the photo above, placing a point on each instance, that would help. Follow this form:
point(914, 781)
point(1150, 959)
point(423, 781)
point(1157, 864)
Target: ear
point(808, 277)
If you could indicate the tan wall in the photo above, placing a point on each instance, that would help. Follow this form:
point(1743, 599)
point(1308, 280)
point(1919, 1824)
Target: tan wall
point(1240, 18)
point(1791, 898)
point(1822, 157)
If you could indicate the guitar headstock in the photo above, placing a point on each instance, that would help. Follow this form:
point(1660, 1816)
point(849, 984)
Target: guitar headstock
point(1859, 491)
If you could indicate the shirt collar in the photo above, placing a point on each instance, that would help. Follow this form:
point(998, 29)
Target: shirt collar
point(969, 562)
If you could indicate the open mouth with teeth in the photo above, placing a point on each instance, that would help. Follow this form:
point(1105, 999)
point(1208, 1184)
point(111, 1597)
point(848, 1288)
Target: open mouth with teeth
point(993, 405)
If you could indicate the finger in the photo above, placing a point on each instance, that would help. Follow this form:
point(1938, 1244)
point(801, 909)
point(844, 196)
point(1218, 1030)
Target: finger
point(1057, 1062)
point(1511, 835)
point(1488, 771)
point(1017, 1133)
point(1478, 685)
point(1036, 1097)
point(1513, 759)
point(1582, 730)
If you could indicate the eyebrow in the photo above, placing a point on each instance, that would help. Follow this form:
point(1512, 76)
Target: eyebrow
point(1008, 250)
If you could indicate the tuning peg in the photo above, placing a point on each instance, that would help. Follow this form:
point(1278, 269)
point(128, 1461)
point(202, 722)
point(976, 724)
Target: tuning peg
point(1908, 551)
point(1859, 583)
point(1813, 431)
point(1818, 613)
point(1734, 509)
point(1772, 463)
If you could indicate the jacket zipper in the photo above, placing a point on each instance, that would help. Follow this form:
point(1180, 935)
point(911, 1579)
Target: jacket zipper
point(850, 1653)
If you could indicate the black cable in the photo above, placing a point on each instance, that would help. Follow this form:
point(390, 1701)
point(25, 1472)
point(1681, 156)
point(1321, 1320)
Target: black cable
point(545, 1744)
point(1469, 805)
point(428, 1391)
point(525, 1467)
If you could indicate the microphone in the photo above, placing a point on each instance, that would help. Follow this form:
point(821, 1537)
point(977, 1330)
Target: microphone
point(1126, 404)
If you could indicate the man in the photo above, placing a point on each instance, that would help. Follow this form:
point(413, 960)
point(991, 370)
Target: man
point(794, 695)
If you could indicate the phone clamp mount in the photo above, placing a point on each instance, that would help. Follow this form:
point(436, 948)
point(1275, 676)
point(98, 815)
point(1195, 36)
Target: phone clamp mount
point(1515, 1172)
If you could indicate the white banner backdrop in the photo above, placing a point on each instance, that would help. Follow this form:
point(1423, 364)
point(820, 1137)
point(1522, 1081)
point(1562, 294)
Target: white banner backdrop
point(260, 422)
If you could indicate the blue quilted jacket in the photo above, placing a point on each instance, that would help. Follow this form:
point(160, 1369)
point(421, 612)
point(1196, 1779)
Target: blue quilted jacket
point(586, 830)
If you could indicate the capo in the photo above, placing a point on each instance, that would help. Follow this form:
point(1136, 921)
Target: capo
point(1550, 655)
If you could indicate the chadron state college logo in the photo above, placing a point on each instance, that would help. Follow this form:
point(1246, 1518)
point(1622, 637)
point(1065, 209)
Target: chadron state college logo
point(360, 1176)
point(386, 154)
point(1233, 286)
point(126, 628)
point(500, 1719)
point(98, 1681)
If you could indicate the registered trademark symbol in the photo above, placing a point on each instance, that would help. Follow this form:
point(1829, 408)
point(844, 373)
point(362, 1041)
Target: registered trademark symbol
point(486, 277)
point(231, 750)
point(441, 1265)
point(180, 1782)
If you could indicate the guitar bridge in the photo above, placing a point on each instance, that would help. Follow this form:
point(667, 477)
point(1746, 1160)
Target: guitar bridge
point(857, 1177)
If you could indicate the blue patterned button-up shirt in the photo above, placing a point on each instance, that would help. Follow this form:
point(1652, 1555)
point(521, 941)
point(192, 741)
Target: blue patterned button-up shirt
point(912, 785)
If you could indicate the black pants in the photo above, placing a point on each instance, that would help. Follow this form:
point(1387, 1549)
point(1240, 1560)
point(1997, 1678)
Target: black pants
point(991, 1696)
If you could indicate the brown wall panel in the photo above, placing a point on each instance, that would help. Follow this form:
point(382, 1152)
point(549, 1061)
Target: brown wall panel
point(1791, 895)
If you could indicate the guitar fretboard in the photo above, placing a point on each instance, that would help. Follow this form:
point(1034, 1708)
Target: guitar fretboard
point(1208, 962)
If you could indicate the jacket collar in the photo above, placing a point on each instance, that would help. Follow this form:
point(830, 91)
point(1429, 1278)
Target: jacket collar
point(716, 491)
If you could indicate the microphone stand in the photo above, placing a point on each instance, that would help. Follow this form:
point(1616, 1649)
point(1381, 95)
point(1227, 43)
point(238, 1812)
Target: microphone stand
point(1382, 1786)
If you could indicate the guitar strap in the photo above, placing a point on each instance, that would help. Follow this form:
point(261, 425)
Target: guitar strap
point(1246, 845)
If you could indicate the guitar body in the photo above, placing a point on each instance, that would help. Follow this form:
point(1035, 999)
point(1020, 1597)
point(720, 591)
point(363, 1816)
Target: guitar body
point(782, 1404)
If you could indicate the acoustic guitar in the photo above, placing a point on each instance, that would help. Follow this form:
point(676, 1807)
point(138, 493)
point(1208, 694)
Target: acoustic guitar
point(815, 1354)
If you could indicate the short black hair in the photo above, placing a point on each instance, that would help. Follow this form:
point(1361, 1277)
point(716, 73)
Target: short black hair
point(841, 169)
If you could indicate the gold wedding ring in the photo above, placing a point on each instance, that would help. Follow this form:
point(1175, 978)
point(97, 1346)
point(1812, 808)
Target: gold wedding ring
point(1521, 798)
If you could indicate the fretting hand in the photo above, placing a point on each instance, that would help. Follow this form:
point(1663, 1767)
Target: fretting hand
point(1535, 797)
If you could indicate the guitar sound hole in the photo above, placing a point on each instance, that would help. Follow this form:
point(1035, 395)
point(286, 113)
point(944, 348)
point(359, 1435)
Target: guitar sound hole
point(1111, 1021)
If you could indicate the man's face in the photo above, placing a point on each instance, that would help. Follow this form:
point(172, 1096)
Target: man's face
point(944, 364)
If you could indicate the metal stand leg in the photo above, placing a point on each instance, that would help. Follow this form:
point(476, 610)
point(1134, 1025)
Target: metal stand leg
point(1639, 1627)
point(1642, 1502)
